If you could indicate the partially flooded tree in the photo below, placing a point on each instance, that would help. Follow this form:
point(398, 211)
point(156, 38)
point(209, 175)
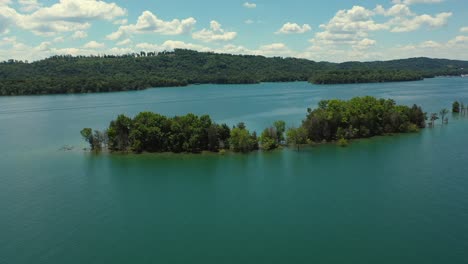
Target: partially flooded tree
point(456, 107)
point(443, 113)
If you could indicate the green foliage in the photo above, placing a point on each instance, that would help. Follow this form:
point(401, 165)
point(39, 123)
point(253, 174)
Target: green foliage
point(95, 140)
point(280, 127)
point(119, 133)
point(456, 107)
point(360, 117)
point(150, 132)
point(296, 136)
point(109, 73)
point(342, 142)
point(242, 140)
point(412, 128)
point(268, 139)
point(365, 76)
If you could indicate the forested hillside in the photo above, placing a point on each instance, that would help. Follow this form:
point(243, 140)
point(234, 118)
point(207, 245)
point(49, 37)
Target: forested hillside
point(107, 73)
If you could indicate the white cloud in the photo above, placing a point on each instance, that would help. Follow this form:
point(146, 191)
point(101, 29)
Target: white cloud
point(456, 48)
point(459, 40)
point(348, 27)
point(249, 21)
point(150, 23)
point(29, 5)
point(398, 10)
point(64, 16)
point(411, 24)
point(215, 33)
point(364, 44)
point(294, 28)
point(59, 40)
point(94, 45)
point(124, 42)
point(464, 29)
point(121, 22)
point(411, 2)
point(79, 35)
point(170, 45)
point(249, 5)
point(7, 18)
point(347, 36)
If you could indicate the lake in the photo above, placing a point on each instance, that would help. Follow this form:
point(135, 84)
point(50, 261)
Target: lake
point(396, 199)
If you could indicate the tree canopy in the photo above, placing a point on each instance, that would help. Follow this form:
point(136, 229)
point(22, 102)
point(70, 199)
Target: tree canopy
point(108, 73)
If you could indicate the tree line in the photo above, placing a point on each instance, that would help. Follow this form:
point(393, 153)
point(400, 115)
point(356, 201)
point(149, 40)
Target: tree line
point(136, 71)
point(333, 120)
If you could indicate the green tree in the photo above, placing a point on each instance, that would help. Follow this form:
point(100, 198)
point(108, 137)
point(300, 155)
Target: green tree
point(242, 141)
point(119, 133)
point(456, 107)
point(280, 127)
point(296, 136)
point(269, 139)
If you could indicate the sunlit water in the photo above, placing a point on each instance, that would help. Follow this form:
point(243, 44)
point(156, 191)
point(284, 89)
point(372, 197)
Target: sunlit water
point(399, 199)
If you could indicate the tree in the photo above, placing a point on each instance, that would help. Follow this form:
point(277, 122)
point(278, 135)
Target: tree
point(119, 133)
point(87, 134)
point(280, 127)
point(95, 140)
point(296, 136)
point(443, 113)
point(456, 107)
point(242, 141)
point(268, 139)
point(434, 117)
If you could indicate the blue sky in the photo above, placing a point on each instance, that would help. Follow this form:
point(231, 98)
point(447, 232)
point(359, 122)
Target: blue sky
point(319, 30)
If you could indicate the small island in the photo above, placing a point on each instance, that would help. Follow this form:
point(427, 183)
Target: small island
point(332, 121)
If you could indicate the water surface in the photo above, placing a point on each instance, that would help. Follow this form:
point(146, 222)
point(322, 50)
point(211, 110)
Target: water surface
point(399, 199)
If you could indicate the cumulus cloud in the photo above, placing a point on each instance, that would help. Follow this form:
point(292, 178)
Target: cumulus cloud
point(455, 48)
point(150, 23)
point(79, 35)
point(29, 5)
point(348, 35)
point(120, 21)
point(215, 33)
point(464, 29)
point(64, 16)
point(348, 27)
point(294, 28)
point(124, 42)
point(7, 18)
point(94, 45)
point(249, 5)
point(411, 2)
point(413, 23)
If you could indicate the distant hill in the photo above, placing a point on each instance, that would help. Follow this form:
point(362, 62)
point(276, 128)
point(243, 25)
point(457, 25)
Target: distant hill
point(107, 73)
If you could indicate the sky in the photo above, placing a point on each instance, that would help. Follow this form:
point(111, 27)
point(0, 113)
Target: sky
point(331, 30)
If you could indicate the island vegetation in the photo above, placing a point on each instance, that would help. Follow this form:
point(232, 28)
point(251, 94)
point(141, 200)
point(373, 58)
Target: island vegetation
point(109, 73)
point(332, 121)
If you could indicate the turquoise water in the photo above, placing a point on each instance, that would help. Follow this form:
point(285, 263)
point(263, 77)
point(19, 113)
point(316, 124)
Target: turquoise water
point(399, 199)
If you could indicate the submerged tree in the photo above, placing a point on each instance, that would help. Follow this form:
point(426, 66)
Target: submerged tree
point(433, 118)
point(95, 140)
point(456, 107)
point(443, 113)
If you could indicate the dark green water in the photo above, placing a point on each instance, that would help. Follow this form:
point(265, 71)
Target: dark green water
point(400, 199)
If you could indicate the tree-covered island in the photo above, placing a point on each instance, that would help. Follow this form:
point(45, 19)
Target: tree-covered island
point(110, 73)
point(333, 120)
